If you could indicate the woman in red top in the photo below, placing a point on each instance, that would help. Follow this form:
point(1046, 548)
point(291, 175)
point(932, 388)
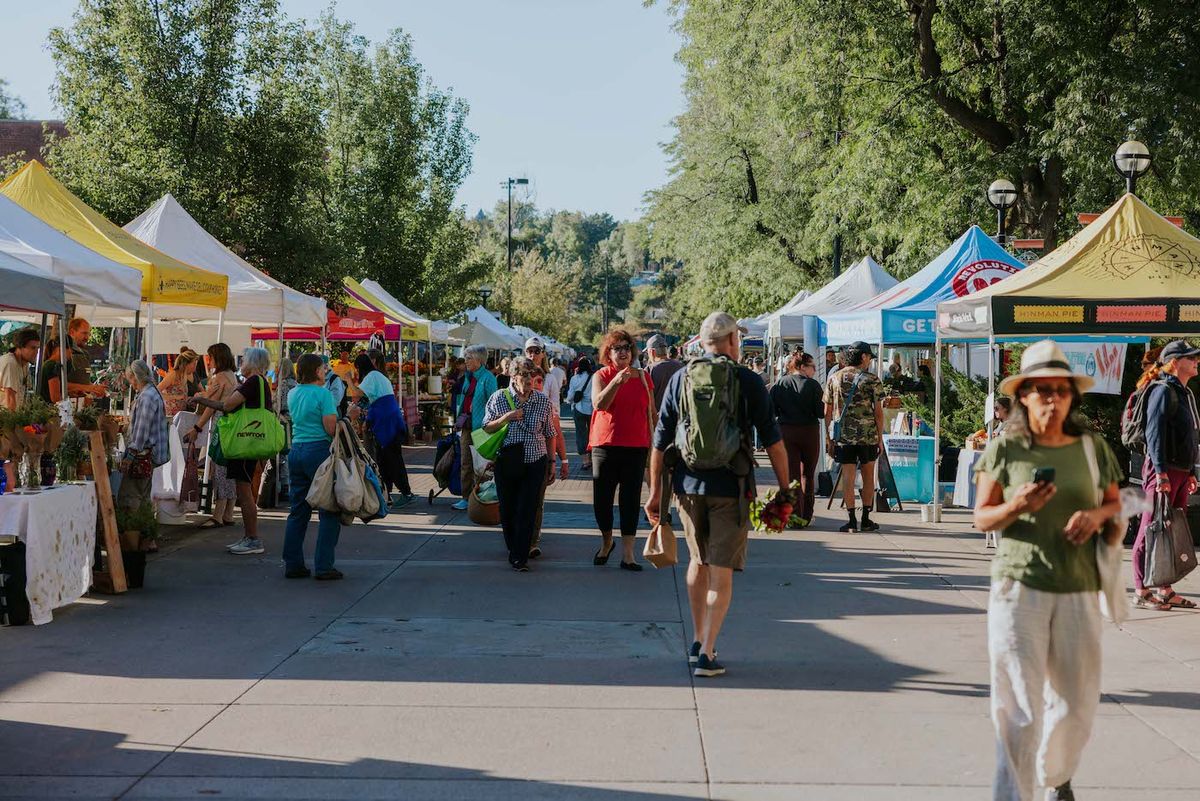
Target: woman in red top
point(620, 441)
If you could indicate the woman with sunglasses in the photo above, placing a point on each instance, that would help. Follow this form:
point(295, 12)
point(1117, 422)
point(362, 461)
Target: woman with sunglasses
point(522, 468)
point(1051, 487)
point(622, 396)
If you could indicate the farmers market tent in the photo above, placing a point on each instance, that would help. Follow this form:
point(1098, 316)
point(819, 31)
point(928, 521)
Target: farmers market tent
point(758, 327)
point(371, 296)
point(253, 296)
point(88, 277)
point(866, 279)
point(164, 279)
point(904, 314)
point(482, 328)
point(28, 289)
point(1131, 271)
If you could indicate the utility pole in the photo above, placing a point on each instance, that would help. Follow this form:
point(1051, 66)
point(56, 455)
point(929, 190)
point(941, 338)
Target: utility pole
point(509, 184)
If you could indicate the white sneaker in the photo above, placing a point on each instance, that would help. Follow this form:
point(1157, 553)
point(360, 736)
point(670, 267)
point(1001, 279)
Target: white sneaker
point(460, 506)
point(247, 547)
point(233, 545)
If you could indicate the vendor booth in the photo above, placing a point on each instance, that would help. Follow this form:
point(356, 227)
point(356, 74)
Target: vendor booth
point(482, 328)
point(1128, 275)
point(866, 279)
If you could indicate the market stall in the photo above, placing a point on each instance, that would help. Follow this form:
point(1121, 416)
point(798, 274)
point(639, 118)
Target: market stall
point(482, 328)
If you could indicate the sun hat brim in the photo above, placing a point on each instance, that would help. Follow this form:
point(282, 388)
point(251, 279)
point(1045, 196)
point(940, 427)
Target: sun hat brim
point(1009, 385)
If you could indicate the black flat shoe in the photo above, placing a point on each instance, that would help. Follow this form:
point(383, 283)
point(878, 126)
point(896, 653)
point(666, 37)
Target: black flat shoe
point(601, 557)
point(330, 575)
point(634, 566)
point(297, 572)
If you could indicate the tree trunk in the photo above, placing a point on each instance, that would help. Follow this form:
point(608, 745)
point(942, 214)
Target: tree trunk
point(1040, 201)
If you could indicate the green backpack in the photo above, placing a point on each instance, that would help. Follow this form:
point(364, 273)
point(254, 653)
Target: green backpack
point(708, 434)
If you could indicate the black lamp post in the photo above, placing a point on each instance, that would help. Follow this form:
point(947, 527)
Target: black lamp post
point(484, 293)
point(1132, 159)
point(510, 183)
point(1001, 195)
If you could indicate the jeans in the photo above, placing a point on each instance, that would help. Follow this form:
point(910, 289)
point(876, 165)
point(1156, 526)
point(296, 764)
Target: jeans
point(616, 466)
point(1045, 659)
point(303, 461)
point(519, 485)
point(583, 427)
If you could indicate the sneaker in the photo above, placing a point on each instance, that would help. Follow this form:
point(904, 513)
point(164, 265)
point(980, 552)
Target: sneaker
point(848, 528)
point(520, 567)
point(694, 653)
point(297, 572)
point(460, 506)
point(248, 547)
point(868, 525)
point(708, 667)
point(1061, 793)
point(237, 544)
point(535, 552)
point(332, 574)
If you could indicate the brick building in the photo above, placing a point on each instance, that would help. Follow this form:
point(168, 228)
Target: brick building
point(24, 138)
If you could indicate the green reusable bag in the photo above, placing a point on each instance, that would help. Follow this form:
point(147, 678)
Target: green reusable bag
point(487, 444)
point(250, 434)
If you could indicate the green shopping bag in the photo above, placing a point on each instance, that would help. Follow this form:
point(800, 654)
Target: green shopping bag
point(487, 444)
point(250, 434)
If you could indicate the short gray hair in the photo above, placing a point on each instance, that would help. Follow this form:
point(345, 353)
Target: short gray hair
point(475, 352)
point(257, 359)
point(141, 372)
point(521, 364)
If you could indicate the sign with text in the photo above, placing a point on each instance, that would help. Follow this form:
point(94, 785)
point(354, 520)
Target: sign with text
point(1103, 362)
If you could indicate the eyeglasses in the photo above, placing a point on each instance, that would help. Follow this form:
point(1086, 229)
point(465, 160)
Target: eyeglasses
point(534, 351)
point(1046, 390)
point(622, 348)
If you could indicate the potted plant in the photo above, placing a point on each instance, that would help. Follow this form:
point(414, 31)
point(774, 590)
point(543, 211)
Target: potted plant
point(137, 527)
point(87, 418)
point(72, 453)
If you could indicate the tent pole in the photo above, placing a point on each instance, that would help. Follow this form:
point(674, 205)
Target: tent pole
point(220, 323)
point(937, 409)
point(37, 365)
point(987, 413)
point(150, 337)
point(62, 359)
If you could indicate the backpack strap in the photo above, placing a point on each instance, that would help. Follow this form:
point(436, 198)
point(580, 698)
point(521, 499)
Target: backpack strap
point(850, 397)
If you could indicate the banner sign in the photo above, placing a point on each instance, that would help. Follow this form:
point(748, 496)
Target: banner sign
point(1102, 362)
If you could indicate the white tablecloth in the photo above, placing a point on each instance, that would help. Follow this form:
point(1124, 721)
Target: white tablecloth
point(58, 527)
point(964, 480)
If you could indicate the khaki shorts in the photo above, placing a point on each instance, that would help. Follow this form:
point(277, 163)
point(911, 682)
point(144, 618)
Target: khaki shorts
point(715, 531)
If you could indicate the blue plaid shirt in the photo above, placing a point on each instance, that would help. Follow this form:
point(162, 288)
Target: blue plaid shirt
point(532, 431)
point(148, 428)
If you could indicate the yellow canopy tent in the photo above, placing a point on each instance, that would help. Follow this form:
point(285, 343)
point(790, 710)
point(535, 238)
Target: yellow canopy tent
point(361, 297)
point(164, 279)
point(1131, 271)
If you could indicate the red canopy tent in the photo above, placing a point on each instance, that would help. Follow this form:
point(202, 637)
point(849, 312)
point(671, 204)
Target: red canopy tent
point(352, 325)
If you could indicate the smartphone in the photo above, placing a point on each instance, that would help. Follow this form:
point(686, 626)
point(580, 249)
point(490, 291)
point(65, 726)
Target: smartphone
point(1043, 475)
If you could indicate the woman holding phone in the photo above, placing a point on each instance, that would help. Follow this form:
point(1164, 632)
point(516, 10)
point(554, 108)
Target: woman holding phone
point(622, 396)
point(1051, 486)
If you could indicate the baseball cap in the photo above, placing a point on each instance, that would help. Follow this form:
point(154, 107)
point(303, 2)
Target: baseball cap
point(861, 347)
point(1177, 349)
point(656, 343)
point(534, 342)
point(719, 325)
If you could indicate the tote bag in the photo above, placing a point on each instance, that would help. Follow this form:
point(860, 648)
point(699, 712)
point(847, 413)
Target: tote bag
point(661, 549)
point(1114, 597)
point(1170, 554)
point(251, 433)
point(487, 444)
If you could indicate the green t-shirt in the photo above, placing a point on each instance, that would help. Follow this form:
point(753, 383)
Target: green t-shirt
point(1034, 550)
point(308, 404)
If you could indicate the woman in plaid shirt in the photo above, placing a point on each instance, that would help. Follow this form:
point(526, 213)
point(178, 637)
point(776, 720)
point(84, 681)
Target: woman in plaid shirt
point(147, 433)
point(521, 465)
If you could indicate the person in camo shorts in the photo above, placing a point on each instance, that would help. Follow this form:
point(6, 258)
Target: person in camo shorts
point(854, 404)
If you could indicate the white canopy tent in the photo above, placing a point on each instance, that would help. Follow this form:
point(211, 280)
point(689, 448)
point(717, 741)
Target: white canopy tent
point(88, 278)
point(863, 281)
point(254, 297)
point(482, 328)
point(759, 327)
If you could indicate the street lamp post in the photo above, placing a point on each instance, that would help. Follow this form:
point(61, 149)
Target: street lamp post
point(510, 183)
point(1001, 195)
point(1132, 159)
point(484, 293)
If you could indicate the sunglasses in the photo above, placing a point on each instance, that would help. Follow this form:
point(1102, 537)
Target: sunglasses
point(533, 350)
point(622, 348)
point(1045, 391)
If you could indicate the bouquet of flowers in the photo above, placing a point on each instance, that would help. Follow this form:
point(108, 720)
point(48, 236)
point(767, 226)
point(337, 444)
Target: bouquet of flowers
point(775, 512)
point(113, 377)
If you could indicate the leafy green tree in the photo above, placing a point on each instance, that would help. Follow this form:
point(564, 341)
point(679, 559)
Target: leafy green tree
point(11, 106)
point(884, 122)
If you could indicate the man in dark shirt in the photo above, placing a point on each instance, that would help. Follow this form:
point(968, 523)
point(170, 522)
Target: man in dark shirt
point(661, 368)
point(715, 519)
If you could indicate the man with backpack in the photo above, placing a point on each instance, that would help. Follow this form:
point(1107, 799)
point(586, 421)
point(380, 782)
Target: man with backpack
point(1161, 418)
point(708, 412)
point(854, 427)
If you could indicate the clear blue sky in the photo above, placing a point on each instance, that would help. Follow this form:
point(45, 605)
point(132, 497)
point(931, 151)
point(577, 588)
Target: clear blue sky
point(575, 94)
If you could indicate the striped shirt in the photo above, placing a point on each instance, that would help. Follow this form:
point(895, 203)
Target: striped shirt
point(533, 431)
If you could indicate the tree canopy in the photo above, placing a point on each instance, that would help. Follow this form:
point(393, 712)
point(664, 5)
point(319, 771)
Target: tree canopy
point(307, 149)
point(11, 106)
point(885, 121)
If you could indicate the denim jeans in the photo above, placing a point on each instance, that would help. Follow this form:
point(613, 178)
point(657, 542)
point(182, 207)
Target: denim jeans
point(303, 460)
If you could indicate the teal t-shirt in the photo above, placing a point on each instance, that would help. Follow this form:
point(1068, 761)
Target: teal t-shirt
point(1034, 550)
point(307, 404)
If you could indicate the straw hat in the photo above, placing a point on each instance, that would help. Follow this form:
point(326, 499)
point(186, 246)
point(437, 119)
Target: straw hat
point(1044, 359)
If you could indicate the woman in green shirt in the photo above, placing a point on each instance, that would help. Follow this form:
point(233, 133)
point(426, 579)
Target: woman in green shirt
point(1044, 607)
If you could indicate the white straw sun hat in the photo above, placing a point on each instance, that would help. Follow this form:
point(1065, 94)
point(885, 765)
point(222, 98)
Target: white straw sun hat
point(1044, 359)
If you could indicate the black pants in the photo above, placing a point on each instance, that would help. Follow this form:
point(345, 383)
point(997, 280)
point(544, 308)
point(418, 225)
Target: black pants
point(391, 465)
point(613, 467)
point(518, 486)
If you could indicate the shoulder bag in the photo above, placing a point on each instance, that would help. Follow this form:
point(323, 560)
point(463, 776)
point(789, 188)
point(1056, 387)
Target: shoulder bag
point(251, 433)
point(487, 444)
point(1114, 600)
point(836, 434)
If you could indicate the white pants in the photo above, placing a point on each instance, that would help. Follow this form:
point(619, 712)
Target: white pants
point(1045, 659)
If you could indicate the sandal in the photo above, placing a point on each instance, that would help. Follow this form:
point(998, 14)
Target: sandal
point(212, 522)
point(1149, 601)
point(1174, 599)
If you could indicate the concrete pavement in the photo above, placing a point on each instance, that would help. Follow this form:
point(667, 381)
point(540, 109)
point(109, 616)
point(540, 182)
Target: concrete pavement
point(857, 670)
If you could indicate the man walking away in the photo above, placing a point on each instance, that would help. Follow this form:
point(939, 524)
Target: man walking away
point(705, 421)
point(662, 367)
point(854, 426)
